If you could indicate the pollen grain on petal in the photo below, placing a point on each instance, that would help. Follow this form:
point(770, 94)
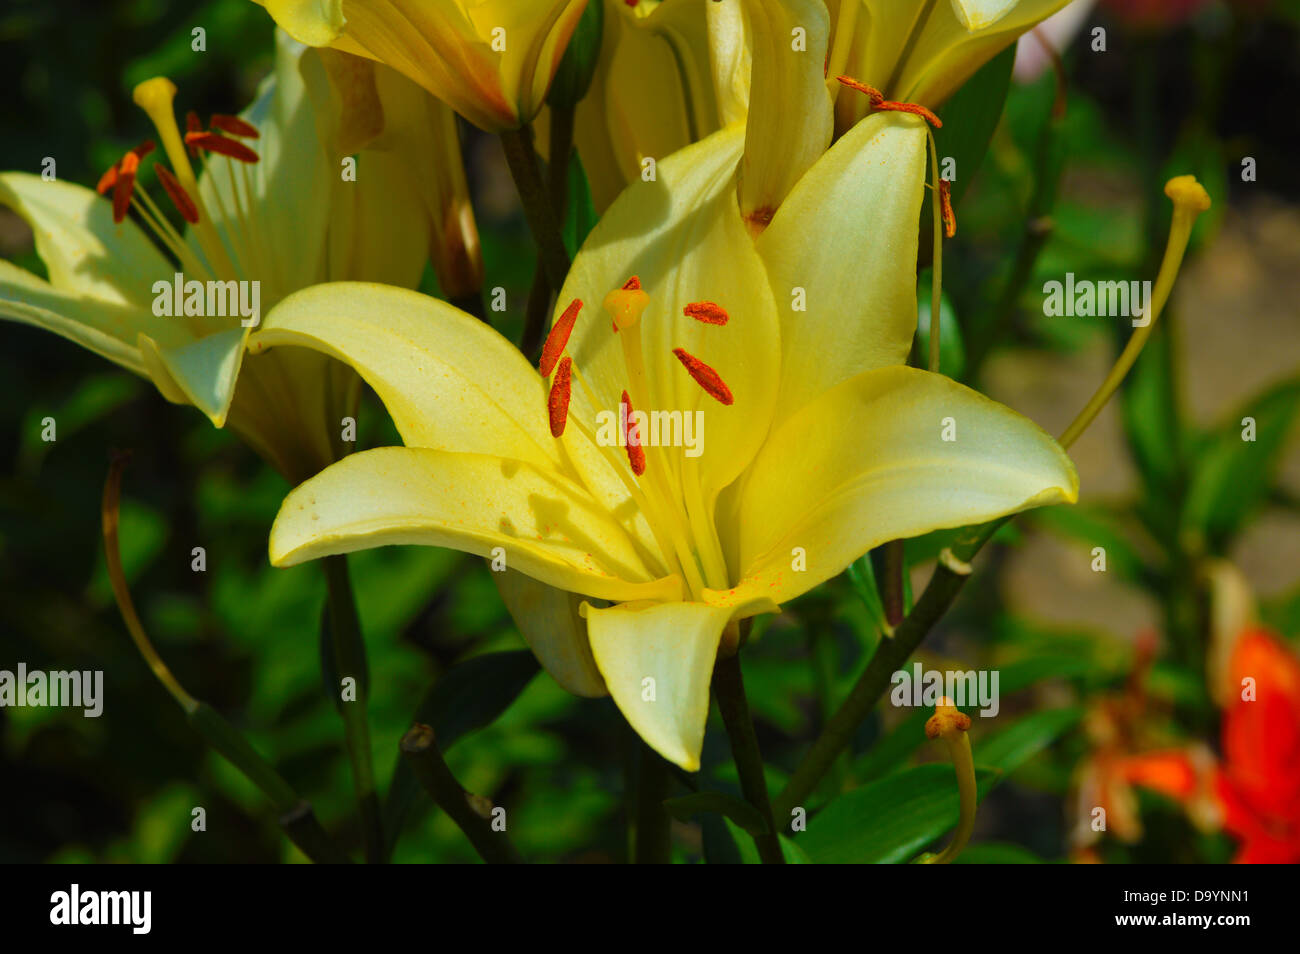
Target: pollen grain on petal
point(708, 312)
point(558, 338)
point(705, 376)
point(176, 192)
point(557, 402)
point(233, 125)
point(212, 142)
point(632, 437)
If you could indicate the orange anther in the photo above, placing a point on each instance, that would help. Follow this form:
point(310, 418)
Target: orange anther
point(233, 125)
point(945, 206)
point(872, 94)
point(705, 376)
point(221, 145)
point(632, 284)
point(557, 402)
point(878, 101)
point(632, 437)
point(558, 338)
point(176, 192)
point(706, 311)
point(192, 125)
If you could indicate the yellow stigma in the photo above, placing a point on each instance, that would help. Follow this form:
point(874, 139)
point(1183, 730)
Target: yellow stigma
point(1190, 200)
point(625, 306)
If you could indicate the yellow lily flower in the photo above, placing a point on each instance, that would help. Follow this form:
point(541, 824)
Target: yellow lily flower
point(268, 214)
point(491, 60)
point(920, 51)
point(782, 353)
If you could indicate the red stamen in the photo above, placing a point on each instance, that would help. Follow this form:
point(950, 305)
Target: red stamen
point(706, 311)
point(872, 94)
point(705, 376)
point(124, 186)
point(557, 402)
point(914, 108)
point(233, 125)
point(945, 206)
point(558, 338)
point(632, 437)
point(192, 125)
point(221, 145)
point(109, 178)
point(176, 192)
point(878, 101)
point(632, 284)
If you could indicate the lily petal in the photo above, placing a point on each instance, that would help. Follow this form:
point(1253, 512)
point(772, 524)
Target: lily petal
point(673, 644)
point(867, 462)
point(204, 371)
point(550, 623)
point(847, 236)
point(448, 380)
point(83, 250)
point(790, 118)
point(314, 22)
point(549, 527)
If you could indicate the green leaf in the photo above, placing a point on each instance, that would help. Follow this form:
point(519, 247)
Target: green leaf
point(467, 697)
point(971, 115)
point(1022, 740)
point(888, 821)
point(579, 212)
point(1231, 475)
point(794, 854)
point(997, 853)
point(735, 809)
point(863, 577)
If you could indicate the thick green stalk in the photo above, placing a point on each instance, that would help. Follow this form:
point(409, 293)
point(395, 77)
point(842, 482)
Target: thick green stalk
point(557, 186)
point(729, 688)
point(948, 579)
point(539, 209)
point(652, 835)
point(349, 651)
point(471, 813)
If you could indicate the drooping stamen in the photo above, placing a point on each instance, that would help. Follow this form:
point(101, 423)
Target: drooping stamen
point(221, 145)
point(233, 125)
point(945, 203)
point(878, 101)
point(705, 376)
point(631, 437)
point(176, 192)
point(557, 402)
point(706, 311)
point(558, 338)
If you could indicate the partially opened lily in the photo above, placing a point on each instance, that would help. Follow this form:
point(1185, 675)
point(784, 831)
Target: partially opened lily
point(670, 73)
point(267, 214)
point(491, 60)
point(783, 352)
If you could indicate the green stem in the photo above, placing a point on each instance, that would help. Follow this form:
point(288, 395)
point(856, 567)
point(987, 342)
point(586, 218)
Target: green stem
point(349, 651)
point(557, 185)
point(470, 812)
point(539, 209)
point(652, 837)
point(948, 579)
point(729, 688)
point(296, 816)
